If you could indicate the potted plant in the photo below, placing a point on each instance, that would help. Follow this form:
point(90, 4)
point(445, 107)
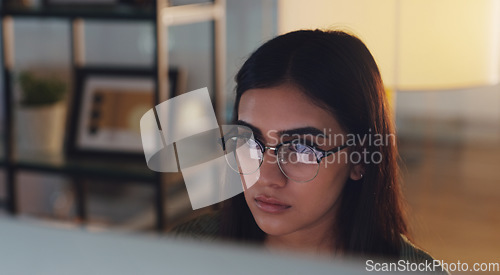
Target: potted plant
point(41, 114)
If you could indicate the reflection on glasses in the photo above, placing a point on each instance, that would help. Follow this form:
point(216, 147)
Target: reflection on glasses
point(297, 160)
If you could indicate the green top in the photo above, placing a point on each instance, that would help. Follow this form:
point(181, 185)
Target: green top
point(205, 228)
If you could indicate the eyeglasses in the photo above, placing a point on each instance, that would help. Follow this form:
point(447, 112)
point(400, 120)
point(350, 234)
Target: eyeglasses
point(296, 159)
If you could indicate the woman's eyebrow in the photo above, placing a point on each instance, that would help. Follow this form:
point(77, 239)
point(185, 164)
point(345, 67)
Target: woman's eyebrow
point(254, 129)
point(312, 131)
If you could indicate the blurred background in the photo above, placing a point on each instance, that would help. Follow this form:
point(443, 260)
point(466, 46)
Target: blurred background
point(439, 61)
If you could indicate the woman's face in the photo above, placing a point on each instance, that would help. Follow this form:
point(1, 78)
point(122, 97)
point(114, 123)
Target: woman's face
point(280, 206)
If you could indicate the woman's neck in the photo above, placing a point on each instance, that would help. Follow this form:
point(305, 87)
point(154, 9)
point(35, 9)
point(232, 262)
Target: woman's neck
point(306, 241)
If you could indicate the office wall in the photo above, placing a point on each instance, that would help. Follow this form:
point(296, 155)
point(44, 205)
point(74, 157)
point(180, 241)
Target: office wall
point(474, 113)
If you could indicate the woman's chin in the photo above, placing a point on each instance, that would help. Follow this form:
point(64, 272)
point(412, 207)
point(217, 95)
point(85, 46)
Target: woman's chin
point(273, 228)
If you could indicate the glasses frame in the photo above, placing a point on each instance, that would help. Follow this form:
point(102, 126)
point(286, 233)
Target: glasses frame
point(320, 154)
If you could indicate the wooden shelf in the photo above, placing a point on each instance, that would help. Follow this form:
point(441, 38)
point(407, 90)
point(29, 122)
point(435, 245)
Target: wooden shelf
point(119, 169)
point(101, 13)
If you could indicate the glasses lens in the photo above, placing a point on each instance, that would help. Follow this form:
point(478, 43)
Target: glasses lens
point(243, 154)
point(298, 162)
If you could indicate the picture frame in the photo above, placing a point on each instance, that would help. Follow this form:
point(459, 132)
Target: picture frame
point(107, 106)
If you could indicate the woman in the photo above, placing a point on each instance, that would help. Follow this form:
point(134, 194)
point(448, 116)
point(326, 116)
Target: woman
point(316, 97)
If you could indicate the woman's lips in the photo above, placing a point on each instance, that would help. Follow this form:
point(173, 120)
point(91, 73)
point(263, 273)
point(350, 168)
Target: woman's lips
point(270, 205)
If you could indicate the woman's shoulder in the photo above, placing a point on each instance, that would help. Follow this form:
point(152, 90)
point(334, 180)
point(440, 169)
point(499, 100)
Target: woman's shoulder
point(204, 227)
point(412, 254)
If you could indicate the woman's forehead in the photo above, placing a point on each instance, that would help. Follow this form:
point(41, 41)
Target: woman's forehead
point(283, 108)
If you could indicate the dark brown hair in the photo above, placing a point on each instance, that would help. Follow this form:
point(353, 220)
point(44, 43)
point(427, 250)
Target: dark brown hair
point(337, 72)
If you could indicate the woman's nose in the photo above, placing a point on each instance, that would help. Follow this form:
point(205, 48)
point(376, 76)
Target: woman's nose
point(270, 173)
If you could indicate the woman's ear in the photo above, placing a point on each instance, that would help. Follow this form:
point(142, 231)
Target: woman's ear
point(357, 172)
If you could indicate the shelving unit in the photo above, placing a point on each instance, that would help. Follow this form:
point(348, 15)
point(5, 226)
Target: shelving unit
point(79, 170)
